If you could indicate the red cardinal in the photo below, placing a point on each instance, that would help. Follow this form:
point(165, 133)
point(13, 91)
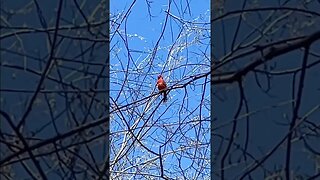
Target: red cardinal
point(162, 86)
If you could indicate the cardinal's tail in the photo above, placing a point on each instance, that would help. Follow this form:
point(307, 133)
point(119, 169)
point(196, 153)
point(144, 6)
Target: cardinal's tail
point(165, 96)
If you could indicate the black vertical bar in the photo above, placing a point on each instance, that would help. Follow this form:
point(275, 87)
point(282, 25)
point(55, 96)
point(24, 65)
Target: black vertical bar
point(108, 90)
point(211, 90)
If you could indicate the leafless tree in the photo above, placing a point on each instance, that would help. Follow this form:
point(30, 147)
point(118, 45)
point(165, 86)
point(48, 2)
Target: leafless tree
point(54, 106)
point(150, 138)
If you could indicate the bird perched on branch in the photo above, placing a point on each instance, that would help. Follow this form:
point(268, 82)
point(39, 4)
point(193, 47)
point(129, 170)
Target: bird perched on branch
point(162, 86)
